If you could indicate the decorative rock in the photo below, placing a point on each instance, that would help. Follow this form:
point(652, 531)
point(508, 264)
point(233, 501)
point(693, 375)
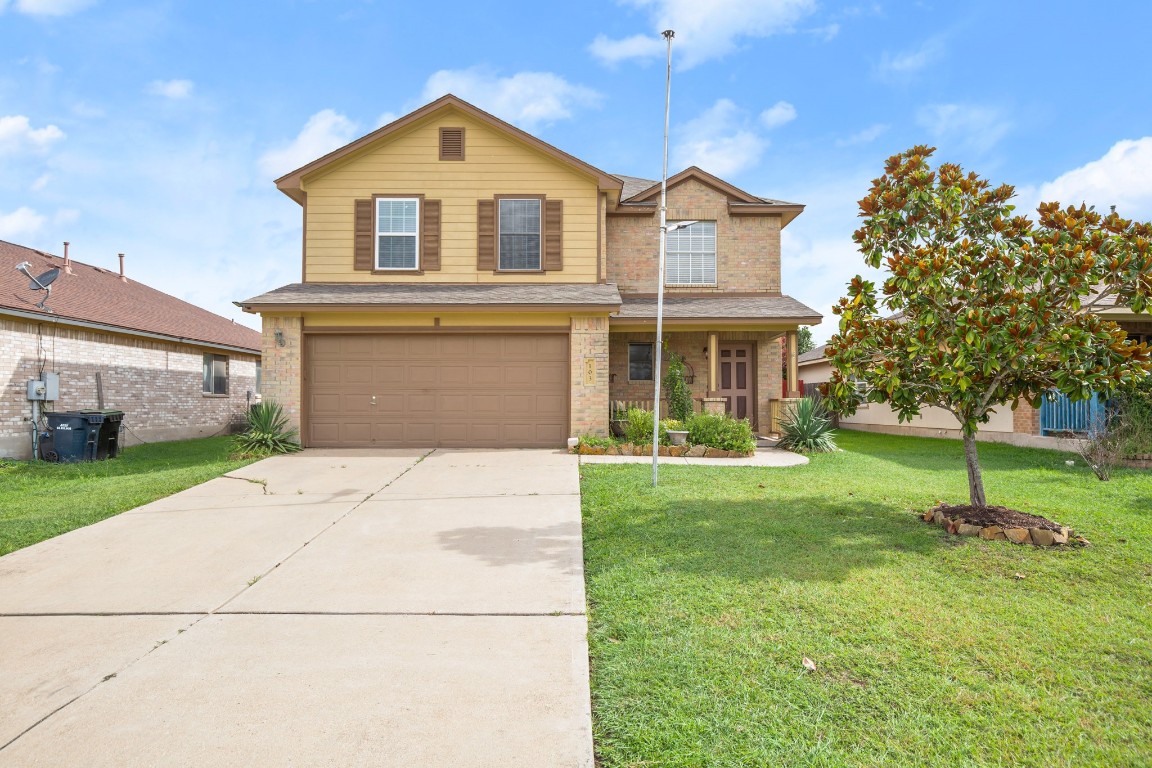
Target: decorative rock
point(696, 452)
point(965, 529)
point(1061, 537)
point(1042, 537)
point(715, 453)
point(937, 517)
point(663, 450)
point(677, 450)
point(992, 533)
point(1018, 535)
point(927, 516)
point(593, 450)
point(952, 526)
point(625, 449)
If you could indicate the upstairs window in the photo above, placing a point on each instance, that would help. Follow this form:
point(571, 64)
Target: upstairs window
point(397, 229)
point(215, 374)
point(519, 234)
point(691, 255)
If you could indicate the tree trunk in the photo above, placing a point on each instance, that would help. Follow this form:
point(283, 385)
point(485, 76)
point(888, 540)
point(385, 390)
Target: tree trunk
point(975, 481)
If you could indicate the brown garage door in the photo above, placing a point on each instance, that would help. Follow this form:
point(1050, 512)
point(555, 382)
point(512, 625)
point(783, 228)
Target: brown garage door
point(458, 390)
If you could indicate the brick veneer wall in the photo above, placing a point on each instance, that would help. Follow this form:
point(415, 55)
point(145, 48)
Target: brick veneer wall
point(158, 384)
point(283, 371)
point(1026, 420)
point(691, 346)
point(747, 247)
point(589, 403)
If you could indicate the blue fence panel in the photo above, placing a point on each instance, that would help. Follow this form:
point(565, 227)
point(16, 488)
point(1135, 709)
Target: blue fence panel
point(1060, 414)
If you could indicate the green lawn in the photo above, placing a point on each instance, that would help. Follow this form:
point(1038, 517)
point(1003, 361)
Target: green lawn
point(41, 500)
point(706, 594)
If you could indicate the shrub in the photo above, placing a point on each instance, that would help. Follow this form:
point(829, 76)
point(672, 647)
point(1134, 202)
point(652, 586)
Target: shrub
point(676, 389)
point(806, 428)
point(267, 432)
point(593, 441)
point(715, 430)
point(638, 427)
point(1135, 408)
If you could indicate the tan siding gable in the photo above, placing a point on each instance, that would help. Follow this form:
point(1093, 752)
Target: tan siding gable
point(408, 162)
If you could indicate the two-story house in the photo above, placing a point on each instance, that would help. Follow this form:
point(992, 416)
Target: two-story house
point(466, 284)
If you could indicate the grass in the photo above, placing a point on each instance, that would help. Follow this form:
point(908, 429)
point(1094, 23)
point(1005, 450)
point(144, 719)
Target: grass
point(41, 500)
point(706, 594)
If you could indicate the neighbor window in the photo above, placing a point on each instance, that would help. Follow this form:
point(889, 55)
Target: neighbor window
point(640, 361)
point(691, 255)
point(215, 374)
point(259, 377)
point(519, 229)
point(396, 231)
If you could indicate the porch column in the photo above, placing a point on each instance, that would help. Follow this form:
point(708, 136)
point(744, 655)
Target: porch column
point(713, 363)
point(793, 370)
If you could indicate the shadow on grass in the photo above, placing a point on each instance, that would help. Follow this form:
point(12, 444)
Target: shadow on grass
point(802, 538)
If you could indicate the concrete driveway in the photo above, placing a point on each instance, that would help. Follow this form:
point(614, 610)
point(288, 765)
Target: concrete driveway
point(333, 608)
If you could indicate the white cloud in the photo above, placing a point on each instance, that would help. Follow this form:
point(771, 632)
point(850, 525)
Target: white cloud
point(705, 29)
point(826, 33)
point(970, 126)
point(51, 7)
point(527, 99)
point(1123, 177)
point(866, 136)
point(325, 131)
point(779, 113)
point(719, 141)
point(20, 223)
point(41, 182)
point(171, 89)
point(18, 135)
point(65, 216)
point(385, 118)
point(908, 63)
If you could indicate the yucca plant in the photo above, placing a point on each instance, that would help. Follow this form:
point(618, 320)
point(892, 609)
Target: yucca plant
point(268, 432)
point(806, 428)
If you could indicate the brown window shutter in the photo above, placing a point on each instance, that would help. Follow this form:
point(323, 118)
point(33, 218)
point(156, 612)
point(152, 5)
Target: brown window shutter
point(430, 245)
point(364, 233)
point(451, 143)
point(486, 234)
point(553, 234)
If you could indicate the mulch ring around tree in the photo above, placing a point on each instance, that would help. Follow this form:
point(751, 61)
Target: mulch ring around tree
point(998, 523)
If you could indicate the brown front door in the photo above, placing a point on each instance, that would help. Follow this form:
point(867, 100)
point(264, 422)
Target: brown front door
point(736, 380)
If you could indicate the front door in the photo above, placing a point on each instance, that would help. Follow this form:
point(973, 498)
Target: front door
point(736, 380)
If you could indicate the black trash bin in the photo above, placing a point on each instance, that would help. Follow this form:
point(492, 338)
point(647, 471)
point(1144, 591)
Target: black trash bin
point(108, 439)
point(73, 437)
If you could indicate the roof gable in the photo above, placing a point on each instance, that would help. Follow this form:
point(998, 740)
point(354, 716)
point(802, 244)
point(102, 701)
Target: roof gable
point(98, 296)
point(739, 201)
point(291, 183)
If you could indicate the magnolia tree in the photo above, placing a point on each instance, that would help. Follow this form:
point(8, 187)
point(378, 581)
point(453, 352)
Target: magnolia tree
point(981, 308)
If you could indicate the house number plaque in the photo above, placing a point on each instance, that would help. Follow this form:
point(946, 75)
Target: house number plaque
point(589, 371)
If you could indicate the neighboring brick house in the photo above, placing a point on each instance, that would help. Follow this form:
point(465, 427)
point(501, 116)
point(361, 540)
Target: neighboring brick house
point(466, 284)
point(176, 371)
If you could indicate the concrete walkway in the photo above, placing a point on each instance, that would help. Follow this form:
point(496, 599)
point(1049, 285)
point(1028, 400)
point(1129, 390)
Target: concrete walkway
point(341, 608)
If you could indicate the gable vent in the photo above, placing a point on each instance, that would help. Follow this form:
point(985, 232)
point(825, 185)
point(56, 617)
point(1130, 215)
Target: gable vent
point(451, 143)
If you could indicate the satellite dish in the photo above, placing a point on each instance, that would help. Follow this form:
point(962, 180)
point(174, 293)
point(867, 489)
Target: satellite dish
point(40, 283)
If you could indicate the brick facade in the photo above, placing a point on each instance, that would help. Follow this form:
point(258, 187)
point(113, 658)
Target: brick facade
point(158, 384)
point(747, 247)
point(691, 347)
point(1026, 419)
point(283, 365)
point(588, 344)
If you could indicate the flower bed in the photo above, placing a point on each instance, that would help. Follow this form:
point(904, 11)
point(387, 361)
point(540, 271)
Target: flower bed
point(1000, 523)
point(630, 449)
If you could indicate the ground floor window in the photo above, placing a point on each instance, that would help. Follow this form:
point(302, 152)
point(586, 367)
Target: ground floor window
point(640, 361)
point(215, 374)
point(259, 377)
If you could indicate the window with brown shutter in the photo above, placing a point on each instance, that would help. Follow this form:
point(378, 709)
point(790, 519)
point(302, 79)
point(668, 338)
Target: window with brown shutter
point(430, 245)
point(451, 143)
point(486, 234)
point(554, 234)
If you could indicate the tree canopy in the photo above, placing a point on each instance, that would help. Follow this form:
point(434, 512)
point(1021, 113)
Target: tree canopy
point(981, 307)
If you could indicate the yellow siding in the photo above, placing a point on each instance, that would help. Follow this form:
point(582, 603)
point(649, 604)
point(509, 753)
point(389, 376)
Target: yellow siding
point(408, 162)
point(448, 321)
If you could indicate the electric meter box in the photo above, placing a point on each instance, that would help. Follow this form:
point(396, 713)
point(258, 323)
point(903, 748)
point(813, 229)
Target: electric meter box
point(48, 389)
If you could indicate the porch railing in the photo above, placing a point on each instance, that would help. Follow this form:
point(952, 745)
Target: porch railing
point(1061, 415)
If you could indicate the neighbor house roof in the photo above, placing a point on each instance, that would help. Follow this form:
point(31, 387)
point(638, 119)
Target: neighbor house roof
point(720, 307)
point(812, 355)
point(290, 183)
point(542, 296)
point(96, 297)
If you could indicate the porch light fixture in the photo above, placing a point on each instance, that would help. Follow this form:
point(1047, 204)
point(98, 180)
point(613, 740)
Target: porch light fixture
point(279, 336)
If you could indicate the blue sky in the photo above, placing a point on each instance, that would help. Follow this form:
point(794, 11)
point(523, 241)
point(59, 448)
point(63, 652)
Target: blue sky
point(156, 129)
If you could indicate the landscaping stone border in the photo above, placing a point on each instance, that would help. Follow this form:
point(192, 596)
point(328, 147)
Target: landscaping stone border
point(1037, 537)
point(689, 451)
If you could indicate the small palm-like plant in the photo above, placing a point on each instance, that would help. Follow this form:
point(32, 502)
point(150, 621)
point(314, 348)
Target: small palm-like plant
point(268, 432)
point(806, 428)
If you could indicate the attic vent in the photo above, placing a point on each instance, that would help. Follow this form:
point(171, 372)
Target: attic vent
point(451, 143)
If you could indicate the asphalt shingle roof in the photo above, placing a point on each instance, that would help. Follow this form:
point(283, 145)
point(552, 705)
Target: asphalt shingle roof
point(437, 294)
point(812, 355)
point(94, 295)
point(720, 306)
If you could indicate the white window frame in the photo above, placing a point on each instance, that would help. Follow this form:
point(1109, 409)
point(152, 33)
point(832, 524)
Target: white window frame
point(377, 234)
point(208, 383)
point(674, 254)
point(539, 234)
